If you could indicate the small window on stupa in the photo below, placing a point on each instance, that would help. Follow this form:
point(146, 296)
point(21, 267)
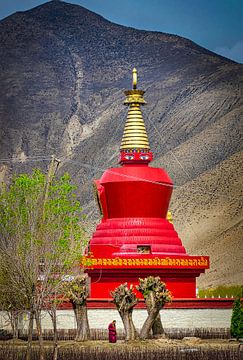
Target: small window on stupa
point(144, 249)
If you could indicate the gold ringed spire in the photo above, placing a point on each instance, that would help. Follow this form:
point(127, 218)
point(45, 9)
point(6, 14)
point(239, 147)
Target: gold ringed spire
point(135, 135)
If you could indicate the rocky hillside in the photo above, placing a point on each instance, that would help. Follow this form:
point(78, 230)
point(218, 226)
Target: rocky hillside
point(63, 72)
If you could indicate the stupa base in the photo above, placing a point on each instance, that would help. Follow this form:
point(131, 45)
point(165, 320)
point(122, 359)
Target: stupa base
point(179, 273)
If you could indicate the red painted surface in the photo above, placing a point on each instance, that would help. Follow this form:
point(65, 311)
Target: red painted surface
point(122, 236)
point(187, 303)
point(134, 191)
point(134, 200)
point(181, 283)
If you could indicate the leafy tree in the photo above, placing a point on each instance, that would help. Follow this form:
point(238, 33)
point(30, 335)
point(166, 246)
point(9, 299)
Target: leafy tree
point(77, 292)
point(125, 300)
point(237, 319)
point(41, 240)
point(240, 328)
point(156, 296)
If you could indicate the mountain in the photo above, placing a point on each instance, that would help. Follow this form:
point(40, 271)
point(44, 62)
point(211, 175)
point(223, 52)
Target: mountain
point(63, 73)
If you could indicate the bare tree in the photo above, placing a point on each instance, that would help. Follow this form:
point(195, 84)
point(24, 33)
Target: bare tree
point(12, 313)
point(156, 296)
point(125, 300)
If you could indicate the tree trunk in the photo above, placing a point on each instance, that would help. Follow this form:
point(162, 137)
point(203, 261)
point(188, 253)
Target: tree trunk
point(14, 320)
point(147, 326)
point(53, 314)
point(157, 327)
point(83, 332)
point(55, 335)
point(39, 333)
point(130, 330)
point(30, 335)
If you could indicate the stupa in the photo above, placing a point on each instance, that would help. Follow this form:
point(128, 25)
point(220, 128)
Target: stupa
point(135, 237)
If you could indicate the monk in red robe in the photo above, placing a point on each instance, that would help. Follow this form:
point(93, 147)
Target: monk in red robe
point(112, 332)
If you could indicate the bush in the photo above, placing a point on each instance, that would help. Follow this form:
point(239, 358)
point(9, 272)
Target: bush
point(236, 319)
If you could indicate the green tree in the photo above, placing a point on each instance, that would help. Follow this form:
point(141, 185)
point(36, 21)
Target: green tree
point(125, 300)
point(156, 296)
point(42, 238)
point(240, 328)
point(77, 292)
point(236, 319)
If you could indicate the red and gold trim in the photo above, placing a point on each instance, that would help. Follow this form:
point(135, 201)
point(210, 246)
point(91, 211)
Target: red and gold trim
point(185, 262)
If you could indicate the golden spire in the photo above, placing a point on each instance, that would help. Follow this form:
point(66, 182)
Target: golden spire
point(134, 136)
point(134, 78)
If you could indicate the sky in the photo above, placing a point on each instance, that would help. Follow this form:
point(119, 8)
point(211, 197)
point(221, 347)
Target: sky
point(214, 24)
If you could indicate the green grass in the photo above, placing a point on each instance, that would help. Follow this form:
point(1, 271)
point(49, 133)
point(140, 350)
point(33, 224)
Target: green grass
point(222, 291)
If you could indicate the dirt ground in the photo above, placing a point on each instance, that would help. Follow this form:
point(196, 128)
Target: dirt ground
point(148, 344)
point(154, 349)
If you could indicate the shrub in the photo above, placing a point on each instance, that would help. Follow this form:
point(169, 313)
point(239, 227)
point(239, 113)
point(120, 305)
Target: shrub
point(236, 319)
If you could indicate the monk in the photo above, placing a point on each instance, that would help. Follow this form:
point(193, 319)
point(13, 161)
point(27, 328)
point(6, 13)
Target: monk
point(112, 332)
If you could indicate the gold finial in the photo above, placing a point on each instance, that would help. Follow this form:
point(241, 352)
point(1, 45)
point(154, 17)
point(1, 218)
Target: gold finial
point(169, 217)
point(135, 135)
point(134, 78)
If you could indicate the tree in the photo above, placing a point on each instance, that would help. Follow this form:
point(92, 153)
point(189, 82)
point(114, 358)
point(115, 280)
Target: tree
point(156, 296)
point(240, 328)
point(53, 301)
point(12, 311)
point(41, 240)
point(125, 300)
point(77, 292)
point(157, 327)
point(237, 319)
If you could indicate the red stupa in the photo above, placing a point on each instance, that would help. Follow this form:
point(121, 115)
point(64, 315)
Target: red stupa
point(135, 237)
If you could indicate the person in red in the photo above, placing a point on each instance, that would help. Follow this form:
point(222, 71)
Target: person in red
point(112, 331)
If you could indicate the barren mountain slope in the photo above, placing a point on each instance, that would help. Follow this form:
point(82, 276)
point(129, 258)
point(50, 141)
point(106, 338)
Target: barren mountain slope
point(211, 221)
point(63, 72)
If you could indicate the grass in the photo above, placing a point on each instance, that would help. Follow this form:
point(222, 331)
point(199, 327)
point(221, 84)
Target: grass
point(190, 349)
point(221, 291)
